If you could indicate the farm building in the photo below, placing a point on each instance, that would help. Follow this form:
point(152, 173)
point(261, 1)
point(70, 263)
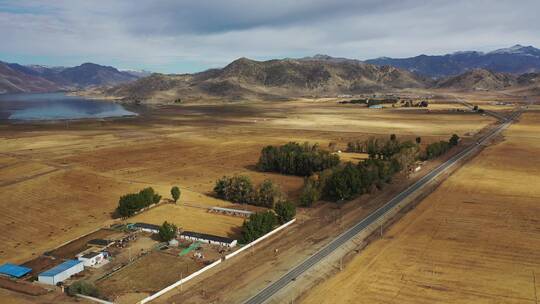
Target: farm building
point(100, 243)
point(13, 270)
point(92, 258)
point(61, 272)
point(228, 211)
point(146, 227)
point(208, 238)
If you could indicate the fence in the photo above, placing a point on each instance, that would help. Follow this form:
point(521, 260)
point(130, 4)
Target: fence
point(262, 238)
point(200, 271)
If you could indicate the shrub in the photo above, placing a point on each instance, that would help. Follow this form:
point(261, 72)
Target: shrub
point(83, 287)
point(454, 140)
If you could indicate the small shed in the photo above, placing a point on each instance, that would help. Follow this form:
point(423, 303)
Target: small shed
point(146, 227)
point(92, 258)
point(13, 270)
point(229, 211)
point(208, 238)
point(61, 272)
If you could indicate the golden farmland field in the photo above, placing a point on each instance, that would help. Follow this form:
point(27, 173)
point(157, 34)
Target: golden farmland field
point(476, 239)
point(65, 180)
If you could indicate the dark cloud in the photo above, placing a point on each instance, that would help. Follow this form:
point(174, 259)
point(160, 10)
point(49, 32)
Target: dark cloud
point(190, 35)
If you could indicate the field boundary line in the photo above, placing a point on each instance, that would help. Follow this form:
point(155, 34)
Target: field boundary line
point(202, 270)
point(73, 240)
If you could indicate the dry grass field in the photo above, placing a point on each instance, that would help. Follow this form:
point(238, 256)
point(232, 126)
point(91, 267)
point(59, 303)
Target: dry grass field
point(193, 219)
point(476, 239)
point(64, 180)
point(147, 275)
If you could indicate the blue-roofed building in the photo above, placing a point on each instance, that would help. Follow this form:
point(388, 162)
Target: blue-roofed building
point(13, 270)
point(61, 272)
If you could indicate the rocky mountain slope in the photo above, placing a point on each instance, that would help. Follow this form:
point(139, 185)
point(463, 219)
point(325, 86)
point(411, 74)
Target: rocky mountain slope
point(478, 79)
point(16, 78)
point(13, 80)
point(516, 60)
point(247, 79)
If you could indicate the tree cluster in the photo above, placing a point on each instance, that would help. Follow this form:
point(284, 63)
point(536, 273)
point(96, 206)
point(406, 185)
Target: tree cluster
point(240, 189)
point(257, 225)
point(130, 203)
point(386, 158)
point(285, 211)
point(437, 149)
point(296, 159)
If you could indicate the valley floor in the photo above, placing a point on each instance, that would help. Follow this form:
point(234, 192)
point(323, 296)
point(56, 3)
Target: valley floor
point(476, 239)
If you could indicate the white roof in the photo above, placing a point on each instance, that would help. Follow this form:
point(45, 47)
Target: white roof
point(232, 210)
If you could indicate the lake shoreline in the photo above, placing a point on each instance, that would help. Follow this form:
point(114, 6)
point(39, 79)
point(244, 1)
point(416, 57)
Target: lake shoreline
point(60, 107)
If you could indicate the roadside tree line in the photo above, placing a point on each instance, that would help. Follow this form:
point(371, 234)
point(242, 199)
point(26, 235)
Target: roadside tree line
point(346, 181)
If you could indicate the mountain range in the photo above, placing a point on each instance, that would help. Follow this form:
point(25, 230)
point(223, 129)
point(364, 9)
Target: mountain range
point(273, 79)
point(16, 78)
point(320, 75)
point(515, 60)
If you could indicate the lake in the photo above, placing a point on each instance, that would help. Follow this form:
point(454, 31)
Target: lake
point(57, 106)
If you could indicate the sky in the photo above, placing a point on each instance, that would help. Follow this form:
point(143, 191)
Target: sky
point(188, 36)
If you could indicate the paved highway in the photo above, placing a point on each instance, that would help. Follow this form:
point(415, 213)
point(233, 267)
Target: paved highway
point(273, 288)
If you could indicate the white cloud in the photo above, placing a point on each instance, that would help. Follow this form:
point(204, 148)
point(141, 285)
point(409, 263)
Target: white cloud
point(186, 35)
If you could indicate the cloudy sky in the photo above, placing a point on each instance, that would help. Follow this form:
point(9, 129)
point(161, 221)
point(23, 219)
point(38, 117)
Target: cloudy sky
point(186, 36)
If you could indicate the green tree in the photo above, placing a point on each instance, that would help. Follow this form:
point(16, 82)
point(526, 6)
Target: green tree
point(175, 193)
point(267, 194)
point(296, 159)
point(257, 225)
point(83, 287)
point(454, 140)
point(167, 231)
point(310, 193)
point(131, 203)
point(237, 189)
point(285, 211)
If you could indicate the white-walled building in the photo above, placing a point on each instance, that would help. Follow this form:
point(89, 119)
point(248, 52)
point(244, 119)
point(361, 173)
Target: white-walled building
point(92, 258)
point(61, 272)
point(208, 238)
point(151, 228)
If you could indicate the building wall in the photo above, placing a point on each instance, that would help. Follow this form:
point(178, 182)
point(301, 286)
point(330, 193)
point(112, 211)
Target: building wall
point(92, 261)
point(232, 244)
point(62, 276)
